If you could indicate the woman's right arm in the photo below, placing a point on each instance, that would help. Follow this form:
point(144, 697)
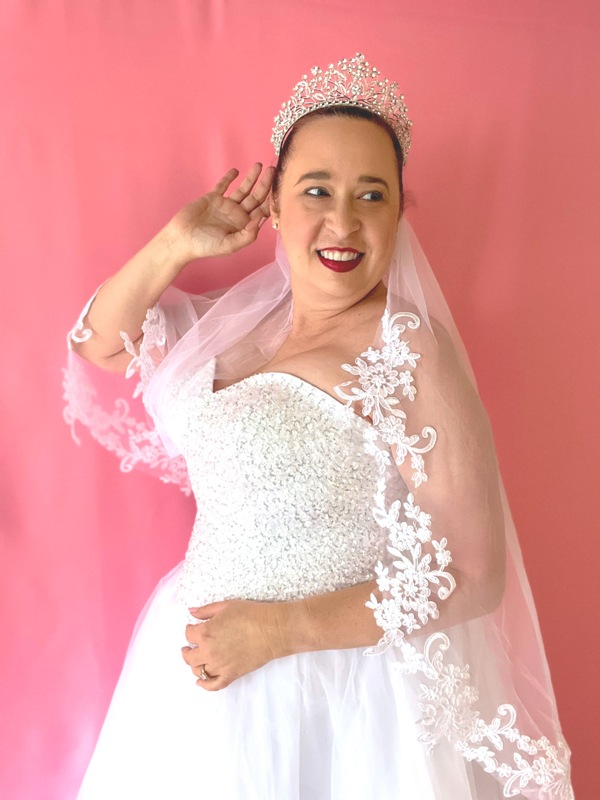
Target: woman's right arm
point(213, 225)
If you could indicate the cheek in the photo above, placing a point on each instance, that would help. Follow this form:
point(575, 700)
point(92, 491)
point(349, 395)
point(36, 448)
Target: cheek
point(385, 234)
point(298, 239)
point(300, 227)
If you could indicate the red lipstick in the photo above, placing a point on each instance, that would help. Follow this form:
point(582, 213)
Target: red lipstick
point(340, 266)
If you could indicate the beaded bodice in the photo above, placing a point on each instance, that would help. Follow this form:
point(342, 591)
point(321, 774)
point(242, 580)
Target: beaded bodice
point(283, 486)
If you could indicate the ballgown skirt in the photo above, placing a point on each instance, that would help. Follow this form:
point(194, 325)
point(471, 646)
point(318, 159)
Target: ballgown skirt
point(329, 725)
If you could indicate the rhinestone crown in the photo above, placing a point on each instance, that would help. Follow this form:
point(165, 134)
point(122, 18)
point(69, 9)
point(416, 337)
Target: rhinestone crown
point(349, 83)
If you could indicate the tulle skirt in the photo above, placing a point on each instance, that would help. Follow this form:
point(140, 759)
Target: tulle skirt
point(330, 725)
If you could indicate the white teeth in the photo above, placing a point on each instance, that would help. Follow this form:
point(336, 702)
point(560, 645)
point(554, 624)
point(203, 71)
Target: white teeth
point(335, 255)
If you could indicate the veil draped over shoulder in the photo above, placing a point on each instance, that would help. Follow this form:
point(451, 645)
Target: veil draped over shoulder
point(455, 607)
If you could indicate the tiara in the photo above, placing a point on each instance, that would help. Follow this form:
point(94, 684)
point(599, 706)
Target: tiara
point(349, 83)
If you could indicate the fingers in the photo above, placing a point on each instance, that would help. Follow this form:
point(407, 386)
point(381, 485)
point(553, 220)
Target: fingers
point(257, 217)
point(207, 680)
point(223, 184)
point(264, 209)
point(195, 633)
point(244, 188)
point(260, 196)
point(209, 610)
point(247, 183)
point(250, 195)
point(212, 682)
point(253, 198)
point(203, 673)
point(191, 656)
point(249, 232)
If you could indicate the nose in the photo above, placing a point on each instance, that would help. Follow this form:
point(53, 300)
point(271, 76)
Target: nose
point(342, 218)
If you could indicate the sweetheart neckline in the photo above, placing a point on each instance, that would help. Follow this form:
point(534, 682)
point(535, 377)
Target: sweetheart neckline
point(295, 378)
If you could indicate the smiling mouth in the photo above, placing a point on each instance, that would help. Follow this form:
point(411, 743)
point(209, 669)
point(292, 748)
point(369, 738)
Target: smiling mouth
point(340, 260)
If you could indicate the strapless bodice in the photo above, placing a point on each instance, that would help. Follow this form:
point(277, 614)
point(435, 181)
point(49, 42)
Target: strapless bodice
point(283, 485)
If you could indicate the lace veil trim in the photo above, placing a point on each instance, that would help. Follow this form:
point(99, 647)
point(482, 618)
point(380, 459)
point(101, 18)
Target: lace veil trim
point(413, 583)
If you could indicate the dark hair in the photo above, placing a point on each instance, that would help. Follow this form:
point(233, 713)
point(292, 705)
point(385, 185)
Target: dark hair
point(351, 112)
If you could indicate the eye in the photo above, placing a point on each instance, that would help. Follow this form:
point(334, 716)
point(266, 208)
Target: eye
point(374, 196)
point(314, 189)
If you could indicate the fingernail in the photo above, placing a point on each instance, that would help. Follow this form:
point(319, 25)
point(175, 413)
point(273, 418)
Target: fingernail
point(194, 610)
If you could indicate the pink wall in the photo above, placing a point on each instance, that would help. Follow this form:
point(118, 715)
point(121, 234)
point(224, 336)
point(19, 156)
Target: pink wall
point(115, 112)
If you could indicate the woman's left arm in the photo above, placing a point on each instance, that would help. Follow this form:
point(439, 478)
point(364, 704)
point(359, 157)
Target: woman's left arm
point(235, 637)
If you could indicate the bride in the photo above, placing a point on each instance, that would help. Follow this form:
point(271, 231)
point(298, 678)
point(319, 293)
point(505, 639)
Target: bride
point(352, 618)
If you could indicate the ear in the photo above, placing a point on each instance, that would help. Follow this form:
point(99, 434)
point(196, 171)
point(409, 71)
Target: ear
point(273, 209)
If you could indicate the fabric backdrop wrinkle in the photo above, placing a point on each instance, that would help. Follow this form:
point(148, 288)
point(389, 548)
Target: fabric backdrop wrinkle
point(114, 113)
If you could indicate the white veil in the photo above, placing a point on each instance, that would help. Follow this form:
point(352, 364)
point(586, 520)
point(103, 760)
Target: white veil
point(455, 606)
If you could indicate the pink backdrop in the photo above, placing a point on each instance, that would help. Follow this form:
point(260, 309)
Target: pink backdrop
point(116, 112)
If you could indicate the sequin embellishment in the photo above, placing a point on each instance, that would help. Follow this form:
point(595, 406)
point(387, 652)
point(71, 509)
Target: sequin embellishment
point(283, 487)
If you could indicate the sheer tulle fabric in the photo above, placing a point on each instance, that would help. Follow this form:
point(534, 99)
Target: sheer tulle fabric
point(309, 727)
point(461, 658)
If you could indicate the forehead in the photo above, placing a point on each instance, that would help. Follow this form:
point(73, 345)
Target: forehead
point(342, 144)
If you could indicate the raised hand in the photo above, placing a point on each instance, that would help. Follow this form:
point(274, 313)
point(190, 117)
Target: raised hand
point(216, 224)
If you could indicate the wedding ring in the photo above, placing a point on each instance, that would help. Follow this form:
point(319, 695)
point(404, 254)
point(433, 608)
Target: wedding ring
point(203, 675)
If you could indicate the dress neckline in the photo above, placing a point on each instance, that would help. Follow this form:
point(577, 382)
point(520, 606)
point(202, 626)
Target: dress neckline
point(283, 377)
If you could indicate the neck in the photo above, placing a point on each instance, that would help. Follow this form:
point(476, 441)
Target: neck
point(315, 314)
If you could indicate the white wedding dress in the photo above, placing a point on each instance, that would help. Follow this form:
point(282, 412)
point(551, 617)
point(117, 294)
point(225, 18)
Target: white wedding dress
point(284, 491)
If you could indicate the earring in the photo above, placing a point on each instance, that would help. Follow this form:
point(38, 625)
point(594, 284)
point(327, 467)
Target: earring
point(276, 226)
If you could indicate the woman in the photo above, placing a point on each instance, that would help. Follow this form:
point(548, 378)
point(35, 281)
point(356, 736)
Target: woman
point(323, 527)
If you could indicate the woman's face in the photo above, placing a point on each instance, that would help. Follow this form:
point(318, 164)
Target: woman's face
point(339, 199)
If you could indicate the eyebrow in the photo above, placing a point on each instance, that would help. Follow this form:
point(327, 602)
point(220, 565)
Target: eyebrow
point(320, 175)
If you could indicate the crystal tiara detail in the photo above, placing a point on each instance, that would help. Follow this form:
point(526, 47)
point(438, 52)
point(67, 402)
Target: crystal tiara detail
point(349, 83)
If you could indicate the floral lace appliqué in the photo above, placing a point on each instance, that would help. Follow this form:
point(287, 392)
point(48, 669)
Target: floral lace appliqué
point(448, 704)
point(379, 379)
point(153, 341)
point(407, 604)
point(447, 697)
point(120, 430)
